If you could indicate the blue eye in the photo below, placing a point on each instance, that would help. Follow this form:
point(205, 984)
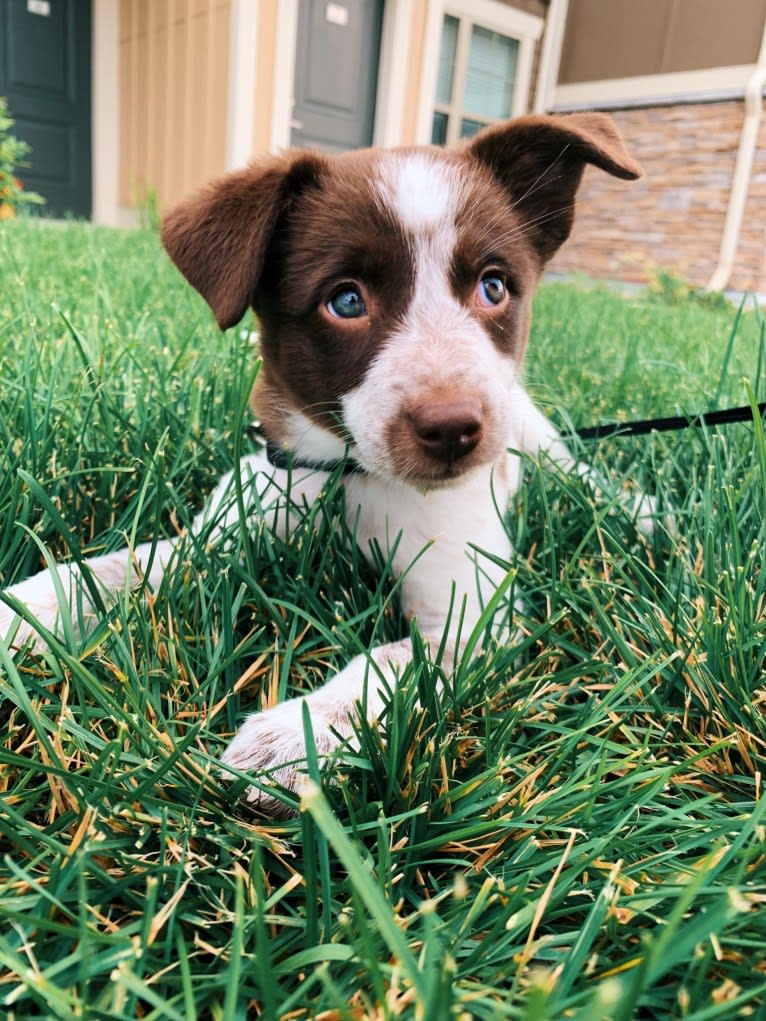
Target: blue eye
point(491, 289)
point(347, 304)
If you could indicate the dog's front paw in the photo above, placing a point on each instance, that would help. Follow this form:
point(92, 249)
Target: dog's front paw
point(647, 515)
point(642, 508)
point(272, 745)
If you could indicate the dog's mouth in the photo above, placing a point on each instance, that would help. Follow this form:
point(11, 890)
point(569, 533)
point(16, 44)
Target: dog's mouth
point(412, 468)
point(436, 444)
point(430, 446)
point(440, 475)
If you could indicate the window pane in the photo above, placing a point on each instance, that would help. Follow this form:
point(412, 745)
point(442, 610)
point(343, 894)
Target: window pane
point(447, 61)
point(468, 128)
point(491, 73)
point(439, 129)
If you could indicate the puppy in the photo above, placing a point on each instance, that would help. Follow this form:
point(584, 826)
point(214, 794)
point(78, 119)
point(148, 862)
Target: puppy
point(393, 290)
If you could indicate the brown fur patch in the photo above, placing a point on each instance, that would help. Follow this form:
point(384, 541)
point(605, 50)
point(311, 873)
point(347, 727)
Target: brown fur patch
point(338, 233)
point(493, 235)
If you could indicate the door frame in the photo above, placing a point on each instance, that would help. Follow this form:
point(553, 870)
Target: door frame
point(392, 73)
point(105, 146)
point(245, 27)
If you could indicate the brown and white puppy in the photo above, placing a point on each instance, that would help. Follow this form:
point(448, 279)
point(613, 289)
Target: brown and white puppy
point(393, 289)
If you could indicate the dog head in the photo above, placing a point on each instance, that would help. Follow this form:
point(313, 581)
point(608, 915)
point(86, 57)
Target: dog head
point(393, 287)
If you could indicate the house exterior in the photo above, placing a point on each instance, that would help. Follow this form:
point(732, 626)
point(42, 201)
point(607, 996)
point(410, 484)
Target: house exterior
point(132, 103)
point(684, 80)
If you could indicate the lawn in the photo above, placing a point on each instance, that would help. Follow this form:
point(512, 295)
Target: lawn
point(575, 829)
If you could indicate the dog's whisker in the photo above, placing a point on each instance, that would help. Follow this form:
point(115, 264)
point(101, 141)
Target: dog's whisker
point(537, 184)
point(531, 225)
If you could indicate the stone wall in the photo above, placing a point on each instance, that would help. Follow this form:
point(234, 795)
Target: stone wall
point(673, 217)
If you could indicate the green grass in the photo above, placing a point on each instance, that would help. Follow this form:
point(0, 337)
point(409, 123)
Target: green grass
point(575, 830)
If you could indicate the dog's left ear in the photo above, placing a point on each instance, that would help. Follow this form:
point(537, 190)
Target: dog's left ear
point(540, 161)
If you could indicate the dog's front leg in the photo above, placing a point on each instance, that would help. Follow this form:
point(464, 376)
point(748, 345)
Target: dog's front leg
point(445, 589)
point(272, 743)
point(534, 434)
point(40, 603)
point(46, 596)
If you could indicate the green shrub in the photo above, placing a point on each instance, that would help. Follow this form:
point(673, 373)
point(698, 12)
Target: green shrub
point(13, 153)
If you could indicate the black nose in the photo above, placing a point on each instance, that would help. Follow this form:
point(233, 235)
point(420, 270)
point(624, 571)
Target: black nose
point(447, 430)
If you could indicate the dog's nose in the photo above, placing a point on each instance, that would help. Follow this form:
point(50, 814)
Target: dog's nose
point(447, 430)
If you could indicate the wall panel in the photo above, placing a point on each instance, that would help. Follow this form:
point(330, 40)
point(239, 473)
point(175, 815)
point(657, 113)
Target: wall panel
point(622, 38)
point(173, 97)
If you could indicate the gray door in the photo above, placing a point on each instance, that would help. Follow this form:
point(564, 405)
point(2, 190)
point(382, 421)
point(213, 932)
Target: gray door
point(336, 73)
point(45, 71)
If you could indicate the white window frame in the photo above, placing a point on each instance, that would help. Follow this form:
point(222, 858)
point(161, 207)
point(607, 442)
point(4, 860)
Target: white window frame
point(712, 83)
point(489, 14)
point(703, 85)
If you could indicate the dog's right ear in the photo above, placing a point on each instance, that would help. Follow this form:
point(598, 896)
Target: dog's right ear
point(540, 161)
point(218, 237)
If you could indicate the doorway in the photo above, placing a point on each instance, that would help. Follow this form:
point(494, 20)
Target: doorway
point(45, 75)
point(336, 73)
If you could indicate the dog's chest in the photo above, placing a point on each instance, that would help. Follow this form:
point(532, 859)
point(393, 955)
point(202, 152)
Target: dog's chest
point(437, 539)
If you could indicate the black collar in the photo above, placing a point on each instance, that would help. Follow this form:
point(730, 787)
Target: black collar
point(281, 457)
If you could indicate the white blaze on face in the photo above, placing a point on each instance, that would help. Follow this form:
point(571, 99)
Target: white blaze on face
point(423, 191)
point(440, 344)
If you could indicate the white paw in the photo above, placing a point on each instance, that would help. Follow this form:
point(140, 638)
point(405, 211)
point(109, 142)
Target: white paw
point(272, 745)
point(646, 513)
point(643, 509)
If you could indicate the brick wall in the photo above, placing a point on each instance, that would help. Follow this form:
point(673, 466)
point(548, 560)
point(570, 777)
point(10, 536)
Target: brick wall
point(674, 216)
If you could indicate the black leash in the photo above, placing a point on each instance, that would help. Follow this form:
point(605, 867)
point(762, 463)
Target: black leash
point(674, 422)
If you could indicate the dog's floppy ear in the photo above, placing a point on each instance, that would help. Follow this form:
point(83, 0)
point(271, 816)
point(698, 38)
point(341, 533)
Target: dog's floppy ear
point(218, 237)
point(540, 160)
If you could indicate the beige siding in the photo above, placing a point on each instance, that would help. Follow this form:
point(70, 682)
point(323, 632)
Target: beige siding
point(674, 216)
point(623, 38)
point(173, 96)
